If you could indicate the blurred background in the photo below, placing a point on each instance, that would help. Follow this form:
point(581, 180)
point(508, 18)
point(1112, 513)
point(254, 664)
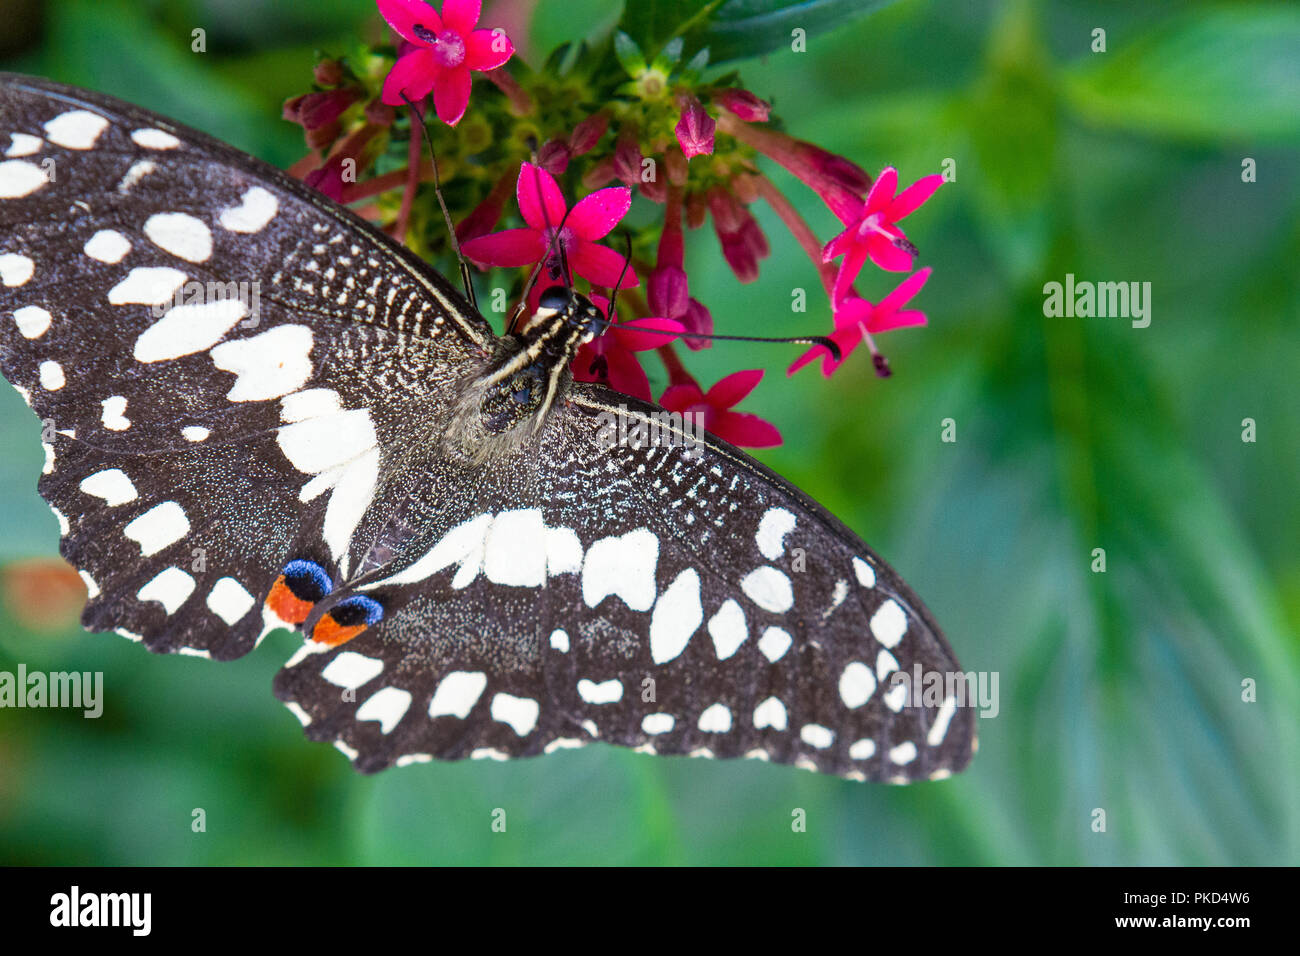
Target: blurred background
point(1120, 690)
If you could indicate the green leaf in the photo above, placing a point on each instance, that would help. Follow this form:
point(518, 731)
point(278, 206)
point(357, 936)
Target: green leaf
point(1218, 74)
point(736, 28)
point(746, 28)
point(629, 54)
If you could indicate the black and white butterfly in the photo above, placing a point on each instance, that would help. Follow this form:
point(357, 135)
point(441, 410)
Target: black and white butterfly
point(260, 412)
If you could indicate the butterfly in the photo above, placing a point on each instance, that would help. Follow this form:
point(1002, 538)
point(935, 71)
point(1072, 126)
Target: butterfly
point(260, 412)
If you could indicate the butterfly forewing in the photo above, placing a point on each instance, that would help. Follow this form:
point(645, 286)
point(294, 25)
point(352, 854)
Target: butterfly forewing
point(213, 352)
point(223, 462)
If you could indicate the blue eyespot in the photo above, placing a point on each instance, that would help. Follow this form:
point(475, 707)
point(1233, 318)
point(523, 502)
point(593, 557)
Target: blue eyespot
point(307, 580)
point(357, 609)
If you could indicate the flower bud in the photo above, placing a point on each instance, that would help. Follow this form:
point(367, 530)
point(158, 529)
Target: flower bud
point(743, 104)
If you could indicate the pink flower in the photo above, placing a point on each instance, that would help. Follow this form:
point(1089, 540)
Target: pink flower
point(856, 318)
point(716, 406)
point(591, 218)
point(695, 129)
point(441, 53)
point(874, 234)
point(610, 359)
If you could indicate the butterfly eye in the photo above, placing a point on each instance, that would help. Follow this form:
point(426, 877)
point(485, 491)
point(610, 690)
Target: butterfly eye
point(555, 298)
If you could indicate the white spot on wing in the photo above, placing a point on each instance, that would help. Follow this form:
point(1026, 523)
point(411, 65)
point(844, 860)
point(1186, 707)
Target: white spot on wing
point(774, 643)
point(76, 129)
point(257, 208)
point(727, 628)
point(269, 365)
point(677, 616)
point(866, 573)
point(457, 694)
point(560, 641)
point(195, 432)
point(815, 735)
point(606, 692)
point(563, 552)
point(770, 713)
point(107, 245)
point(155, 139)
point(889, 623)
point(229, 600)
point(462, 545)
point(20, 178)
point(388, 706)
point(716, 719)
point(32, 321)
point(181, 234)
point(147, 285)
point(519, 712)
point(161, 525)
point(622, 566)
point(349, 501)
point(769, 589)
point(186, 329)
point(514, 549)
point(92, 588)
point(351, 670)
point(857, 684)
point(903, 754)
point(863, 749)
point(23, 144)
point(655, 724)
point(939, 729)
point(772, 529)
point(170, 588)
point(51, 375)
point(15, 269)
point(111, 484)
point(113, 415)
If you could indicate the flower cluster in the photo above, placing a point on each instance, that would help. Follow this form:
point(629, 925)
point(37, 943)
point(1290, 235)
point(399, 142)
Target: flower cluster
point(578, 144)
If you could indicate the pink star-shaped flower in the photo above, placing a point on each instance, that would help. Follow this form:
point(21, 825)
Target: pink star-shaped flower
point(715, 405)
point(544, 210)
point(440, 53)
point(875, 235)
point(856, 318)
point(610, 359)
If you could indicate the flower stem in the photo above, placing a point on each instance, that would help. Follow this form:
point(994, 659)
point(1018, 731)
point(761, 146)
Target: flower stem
point(403, 222)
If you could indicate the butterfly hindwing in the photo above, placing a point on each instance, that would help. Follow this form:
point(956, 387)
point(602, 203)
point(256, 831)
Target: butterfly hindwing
point(674, 601)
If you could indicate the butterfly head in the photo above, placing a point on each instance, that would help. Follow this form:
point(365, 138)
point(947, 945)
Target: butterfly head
point(561, 307)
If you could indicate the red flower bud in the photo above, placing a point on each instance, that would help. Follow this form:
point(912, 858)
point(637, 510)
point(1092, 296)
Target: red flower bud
point(743, 105)
point(587, 134)
point(695, 129)
point(553, 157)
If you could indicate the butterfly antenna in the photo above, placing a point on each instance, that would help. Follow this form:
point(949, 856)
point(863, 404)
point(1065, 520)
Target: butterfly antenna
point(627, 261)
point(827, 343)
point(465, 275)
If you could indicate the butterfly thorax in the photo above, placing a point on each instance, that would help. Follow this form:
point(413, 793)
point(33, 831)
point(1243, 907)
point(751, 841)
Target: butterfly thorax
point(508, 402)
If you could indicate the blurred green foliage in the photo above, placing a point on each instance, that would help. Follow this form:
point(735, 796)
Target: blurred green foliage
point(1120, 691)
